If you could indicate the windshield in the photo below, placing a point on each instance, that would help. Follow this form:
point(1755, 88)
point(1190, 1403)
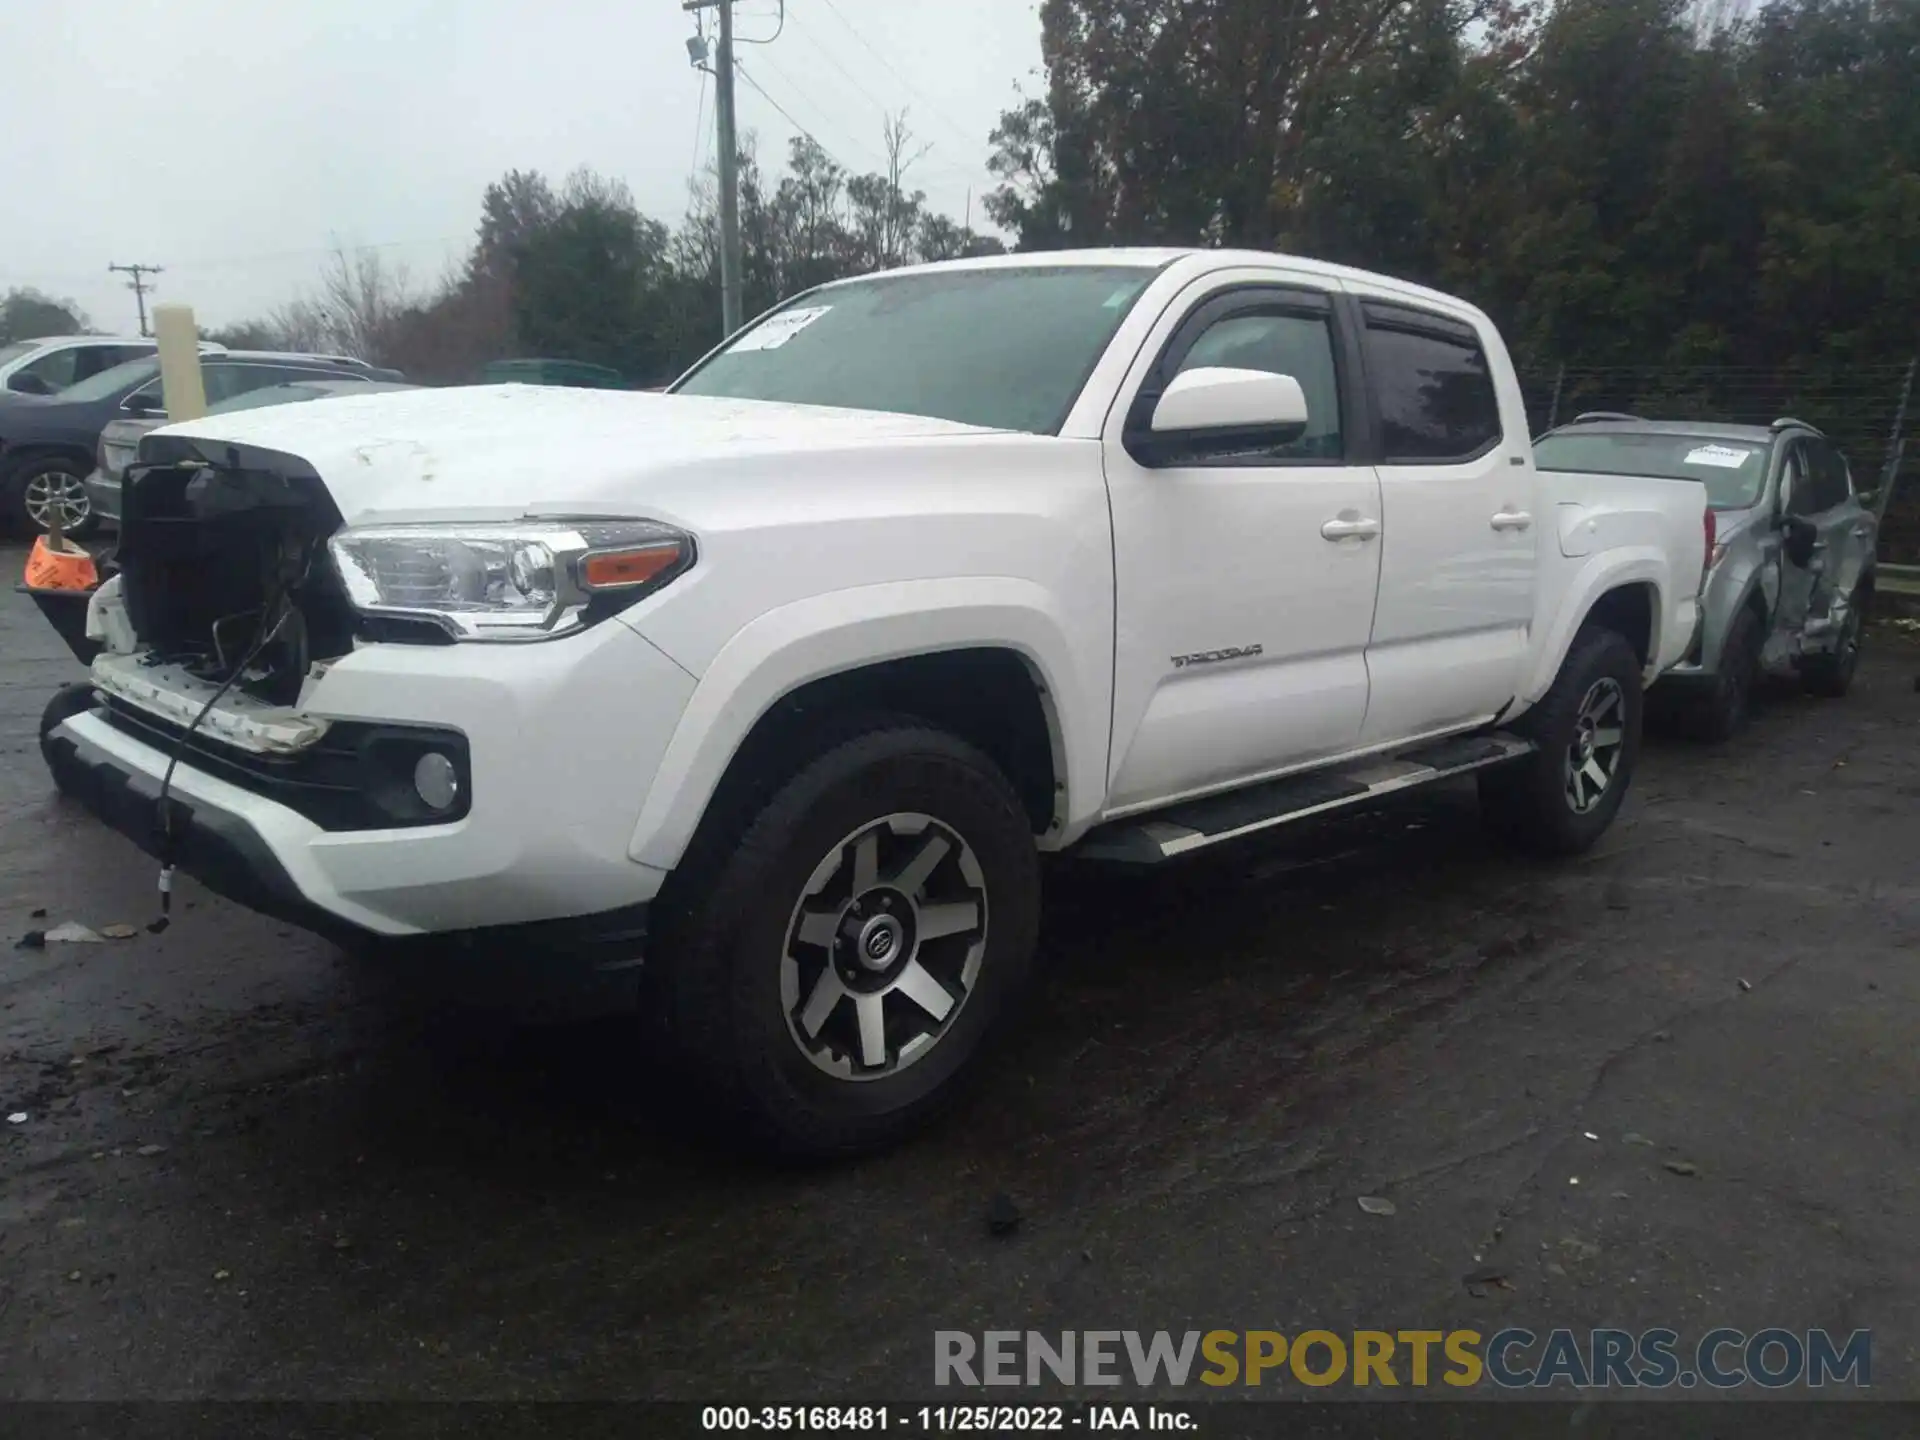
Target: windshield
point(111, 382)
point(1732, 470)
point(1007, 349)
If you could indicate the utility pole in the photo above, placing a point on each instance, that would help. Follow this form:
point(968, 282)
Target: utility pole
point(138, 286)
point(729, 164)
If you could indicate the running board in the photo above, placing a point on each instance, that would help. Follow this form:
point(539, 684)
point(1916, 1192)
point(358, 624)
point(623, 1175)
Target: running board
point(1197, 824)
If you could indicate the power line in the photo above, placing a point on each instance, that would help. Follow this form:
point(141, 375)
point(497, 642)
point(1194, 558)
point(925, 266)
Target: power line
point(755, 86)
point(699, 134)
point(958, 128)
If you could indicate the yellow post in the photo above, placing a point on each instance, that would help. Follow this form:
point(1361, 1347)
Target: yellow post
point(180, 384)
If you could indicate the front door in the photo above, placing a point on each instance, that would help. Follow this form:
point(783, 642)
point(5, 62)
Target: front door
point(1451, 634)
point(1823, 565)
point(1245, 584)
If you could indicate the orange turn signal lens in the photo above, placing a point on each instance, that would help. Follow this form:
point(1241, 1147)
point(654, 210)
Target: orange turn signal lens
point(623, 569)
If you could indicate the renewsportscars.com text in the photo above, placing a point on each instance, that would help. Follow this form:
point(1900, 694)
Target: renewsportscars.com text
point(1513, 1358)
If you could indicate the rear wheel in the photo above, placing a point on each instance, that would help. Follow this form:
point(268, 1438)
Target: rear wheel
point(1562, 798)
point(1831, 675)
point(1724, 710)
point(833, 976)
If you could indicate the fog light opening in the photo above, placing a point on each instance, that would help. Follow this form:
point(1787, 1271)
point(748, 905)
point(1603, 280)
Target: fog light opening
point(436, 781)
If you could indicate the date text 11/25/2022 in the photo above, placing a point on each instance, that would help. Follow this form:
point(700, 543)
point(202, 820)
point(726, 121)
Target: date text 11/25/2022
point(942, 1419)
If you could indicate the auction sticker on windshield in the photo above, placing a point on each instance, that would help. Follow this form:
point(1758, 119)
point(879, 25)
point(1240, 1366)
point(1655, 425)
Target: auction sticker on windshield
point(777, 330)
point(1722, 457)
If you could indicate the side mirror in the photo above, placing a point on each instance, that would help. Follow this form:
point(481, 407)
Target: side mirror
point(27, 384)
point(140, 403)
point(1218, 411)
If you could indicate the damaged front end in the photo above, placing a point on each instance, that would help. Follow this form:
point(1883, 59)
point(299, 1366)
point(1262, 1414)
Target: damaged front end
point(225, 613)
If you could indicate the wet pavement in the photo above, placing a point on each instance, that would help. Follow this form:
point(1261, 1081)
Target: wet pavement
point(253, 1167)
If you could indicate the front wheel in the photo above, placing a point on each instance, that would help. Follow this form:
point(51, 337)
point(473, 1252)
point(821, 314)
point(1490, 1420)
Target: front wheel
point(54, 489)
point(834, 976)
point(1561, 799)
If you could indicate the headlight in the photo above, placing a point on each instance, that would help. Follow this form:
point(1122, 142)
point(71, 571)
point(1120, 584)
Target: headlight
point(531, 580)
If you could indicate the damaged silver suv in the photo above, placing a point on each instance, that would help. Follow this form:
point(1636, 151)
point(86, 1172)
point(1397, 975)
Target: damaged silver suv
point(1791, 570)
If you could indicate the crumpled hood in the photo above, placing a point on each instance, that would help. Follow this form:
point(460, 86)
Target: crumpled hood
point(500, 452)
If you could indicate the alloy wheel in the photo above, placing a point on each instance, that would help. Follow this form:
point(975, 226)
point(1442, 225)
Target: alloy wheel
point(884, 947)
point(57, 494)
point(1599, 740)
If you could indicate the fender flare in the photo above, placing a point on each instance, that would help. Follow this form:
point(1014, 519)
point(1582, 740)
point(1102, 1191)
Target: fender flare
point(1596, 576)
point(843, 630)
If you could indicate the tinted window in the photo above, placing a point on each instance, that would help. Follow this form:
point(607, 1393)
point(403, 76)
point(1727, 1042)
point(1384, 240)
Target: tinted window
point(1433, 387)
point(1828, 476)
point(1281, 344)
point(1732, 470)
point(90, 360)
point(1003, 347)
point(1802, 496)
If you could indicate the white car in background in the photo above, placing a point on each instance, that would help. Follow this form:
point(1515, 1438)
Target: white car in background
point(49, 365)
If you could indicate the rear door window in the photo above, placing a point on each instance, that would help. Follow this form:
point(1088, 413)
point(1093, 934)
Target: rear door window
point(1432, 387)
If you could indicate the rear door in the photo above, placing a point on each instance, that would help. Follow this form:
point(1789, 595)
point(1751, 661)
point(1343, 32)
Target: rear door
point(1451, 631)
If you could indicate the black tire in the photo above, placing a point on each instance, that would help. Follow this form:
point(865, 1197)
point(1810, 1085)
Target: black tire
point(1724, 710)
point(1831, 676)
point(67, 701)
point(728, 972)
point(1531, 803)
point(26, 483)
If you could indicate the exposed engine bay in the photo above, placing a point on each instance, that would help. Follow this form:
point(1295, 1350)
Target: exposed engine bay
point(224, 570)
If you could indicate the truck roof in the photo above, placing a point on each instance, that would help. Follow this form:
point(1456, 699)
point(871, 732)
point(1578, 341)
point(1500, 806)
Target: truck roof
point(1163, 257)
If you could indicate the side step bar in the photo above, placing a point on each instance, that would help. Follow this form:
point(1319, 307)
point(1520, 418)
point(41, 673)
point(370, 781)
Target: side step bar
point(1150, 839)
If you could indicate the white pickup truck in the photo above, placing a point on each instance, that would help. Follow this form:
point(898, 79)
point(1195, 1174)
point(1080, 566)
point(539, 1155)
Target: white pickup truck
point(782, 681)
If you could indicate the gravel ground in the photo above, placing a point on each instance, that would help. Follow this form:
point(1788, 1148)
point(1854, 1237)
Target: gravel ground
point(254, 1168)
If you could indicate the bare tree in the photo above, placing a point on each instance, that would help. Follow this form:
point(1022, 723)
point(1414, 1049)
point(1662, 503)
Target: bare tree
point(362, 298)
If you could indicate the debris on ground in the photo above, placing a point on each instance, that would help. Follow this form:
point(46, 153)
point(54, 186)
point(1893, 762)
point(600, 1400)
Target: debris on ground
point(118, 932)
point(1378, 1205)
point(18, 1117)
point(32, 940)
point(149, 1151)
point(1479, 1282)
point(1578, 1249)
point(1746, 985)
point(223, 1274)
point(73, 933)
point(1589, 1134)
point(1003, 1216)
point(1634, 1137)
point(1682, 1167)
point(39, 914)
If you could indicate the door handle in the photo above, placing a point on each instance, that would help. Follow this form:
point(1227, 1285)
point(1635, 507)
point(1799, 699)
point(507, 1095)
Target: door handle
point(1512, 520)
point(1353, 528)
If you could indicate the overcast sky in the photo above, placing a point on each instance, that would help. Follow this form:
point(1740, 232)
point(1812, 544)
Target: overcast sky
point(232, 141)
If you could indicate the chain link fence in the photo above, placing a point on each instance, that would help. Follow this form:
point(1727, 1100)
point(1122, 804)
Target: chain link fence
point(1863, 410)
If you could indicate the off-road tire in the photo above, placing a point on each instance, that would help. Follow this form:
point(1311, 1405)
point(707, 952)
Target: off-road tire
point(1527, 803)
point(1724, 710)
point(723, 932)
point(1830, 676)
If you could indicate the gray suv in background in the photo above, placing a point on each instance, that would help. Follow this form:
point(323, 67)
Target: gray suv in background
point(1791, 572)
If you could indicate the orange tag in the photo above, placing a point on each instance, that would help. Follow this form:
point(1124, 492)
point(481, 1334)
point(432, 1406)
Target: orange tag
point(63, 569)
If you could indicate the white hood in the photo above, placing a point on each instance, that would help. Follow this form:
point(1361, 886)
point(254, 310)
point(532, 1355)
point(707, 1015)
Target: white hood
point(508, 451)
